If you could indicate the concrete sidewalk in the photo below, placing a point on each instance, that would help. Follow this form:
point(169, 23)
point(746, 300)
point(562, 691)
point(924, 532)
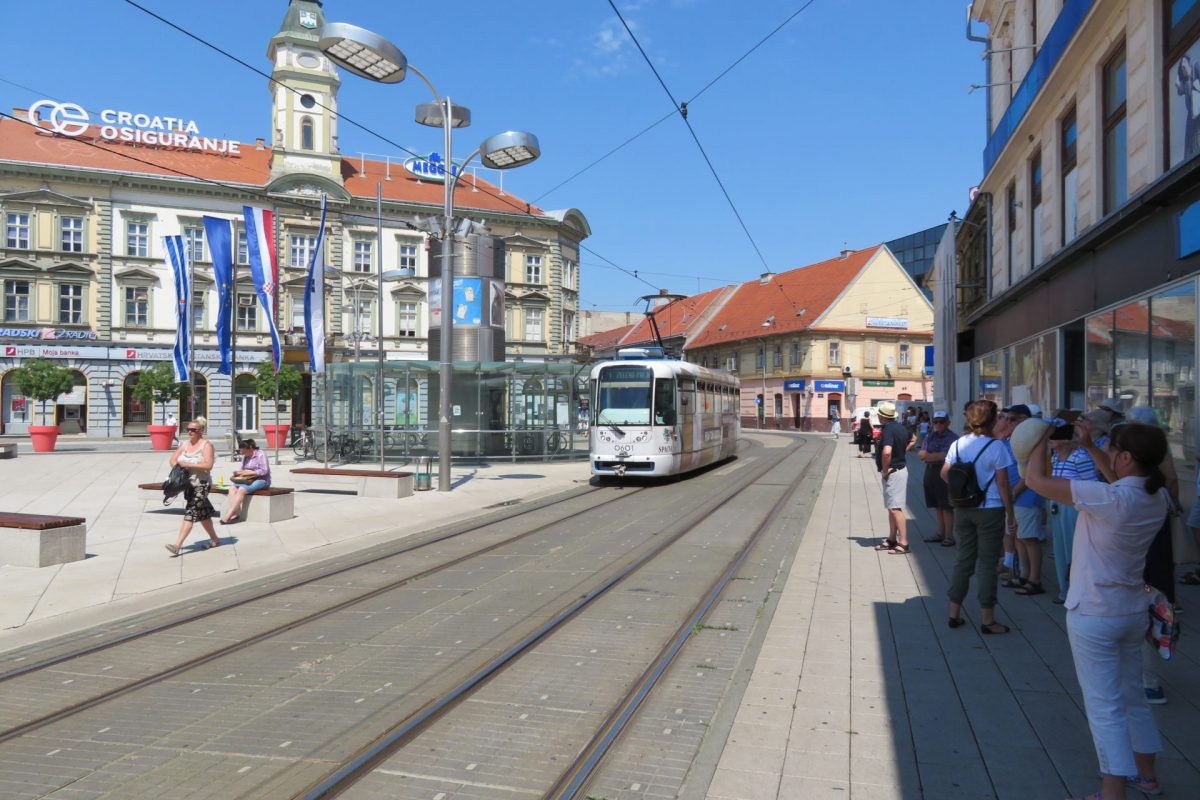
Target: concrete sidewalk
point(127, 568)
point(862, 691)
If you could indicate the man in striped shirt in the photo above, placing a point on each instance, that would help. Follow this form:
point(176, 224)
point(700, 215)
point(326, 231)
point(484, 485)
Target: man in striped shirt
point(1067, 460)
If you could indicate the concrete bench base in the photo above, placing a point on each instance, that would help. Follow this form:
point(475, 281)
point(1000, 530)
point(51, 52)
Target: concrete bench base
point(23, 547)
point(8, 450)
point(274, 507)
point(368, 483)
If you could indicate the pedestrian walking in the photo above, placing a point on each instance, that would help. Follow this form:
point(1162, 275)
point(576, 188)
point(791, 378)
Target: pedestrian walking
point(865, 436)
point(197, 456)
point(1107, 602)
point(254, 476)
point(173, 421)
point(890, 452)
point(933, 453)
point(924, 424)
point(979, 530)
point(835, 422)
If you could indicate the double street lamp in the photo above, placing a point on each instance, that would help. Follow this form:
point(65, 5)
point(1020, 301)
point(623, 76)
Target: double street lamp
point(373, 57)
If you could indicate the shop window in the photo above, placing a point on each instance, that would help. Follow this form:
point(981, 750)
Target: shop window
point(16, 231)
point(70, 303)
point(1116, 156)
point(1070, 177)
point(989, 378)
point(137, 239)
point(1032, 371)
point(1098, 355)
point(1131, 353)
point(187, 412)
point(1173, 376)
point(1182, 79)
point(71, 230)
point(16, 301)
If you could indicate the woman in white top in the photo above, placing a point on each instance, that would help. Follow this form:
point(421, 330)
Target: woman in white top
point(197, 456)
point(1107, 602)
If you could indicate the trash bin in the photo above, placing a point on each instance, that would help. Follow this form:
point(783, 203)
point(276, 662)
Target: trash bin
point(423, 477)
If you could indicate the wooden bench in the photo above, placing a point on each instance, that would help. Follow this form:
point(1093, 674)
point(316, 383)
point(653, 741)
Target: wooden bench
point(38, 540)
point(371, 482)
point(273, 504)
point(8, 450)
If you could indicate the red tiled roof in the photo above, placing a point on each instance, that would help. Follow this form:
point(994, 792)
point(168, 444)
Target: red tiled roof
point(603, 340)
point(795, 299)
point(22, 143)
point(678, 318)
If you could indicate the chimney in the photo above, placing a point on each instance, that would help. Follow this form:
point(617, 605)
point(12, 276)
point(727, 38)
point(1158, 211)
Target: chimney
point(846, 253)
point(260, 144)
point(765, 278)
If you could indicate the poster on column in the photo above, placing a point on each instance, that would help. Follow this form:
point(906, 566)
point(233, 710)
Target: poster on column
point(467, 306)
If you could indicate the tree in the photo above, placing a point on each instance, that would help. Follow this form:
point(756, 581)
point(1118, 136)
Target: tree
point(42, 380)
point(158, 385)
point(289, 381)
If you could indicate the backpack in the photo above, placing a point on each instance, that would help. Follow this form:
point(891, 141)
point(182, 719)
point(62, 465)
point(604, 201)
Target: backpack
point(176, 482)
point(963, 485)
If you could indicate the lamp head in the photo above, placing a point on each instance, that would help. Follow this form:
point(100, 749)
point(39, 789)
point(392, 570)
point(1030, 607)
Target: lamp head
point(509, 149)
point(362, 52)
point(433, 114)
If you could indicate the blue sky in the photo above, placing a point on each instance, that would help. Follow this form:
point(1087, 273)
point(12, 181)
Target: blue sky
point(851, 126)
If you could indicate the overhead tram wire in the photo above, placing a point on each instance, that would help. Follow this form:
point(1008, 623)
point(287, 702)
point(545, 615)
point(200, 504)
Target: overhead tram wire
point(516, 208)
point(693, 99)
point(695, 138)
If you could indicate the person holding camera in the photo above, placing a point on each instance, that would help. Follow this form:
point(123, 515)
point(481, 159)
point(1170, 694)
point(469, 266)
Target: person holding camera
point(1069, 461)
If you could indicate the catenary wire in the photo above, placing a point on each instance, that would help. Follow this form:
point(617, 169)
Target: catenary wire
point(695, 138)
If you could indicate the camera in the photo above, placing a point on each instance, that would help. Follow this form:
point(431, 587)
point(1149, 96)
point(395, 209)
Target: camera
point(1062, 433)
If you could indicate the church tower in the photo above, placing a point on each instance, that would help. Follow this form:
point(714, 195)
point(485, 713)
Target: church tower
point(304, 143)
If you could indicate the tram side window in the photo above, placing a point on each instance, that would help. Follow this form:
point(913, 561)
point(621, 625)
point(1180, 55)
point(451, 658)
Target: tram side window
point(664, 401)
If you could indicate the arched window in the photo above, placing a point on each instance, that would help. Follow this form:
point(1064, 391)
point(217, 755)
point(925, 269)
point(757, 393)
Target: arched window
point(186, 412)
point(307, 137)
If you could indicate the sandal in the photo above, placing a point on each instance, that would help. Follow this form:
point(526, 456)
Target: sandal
point(1013, 583)
point(211, 545)
point(899, 550)
point(886, 544)
point(1145, 785)
point(933, 539)
point(1030, 589)
point(994, 628)
point(173, 550)
point(948, 542)
point(956, 622)
point(1190, 579)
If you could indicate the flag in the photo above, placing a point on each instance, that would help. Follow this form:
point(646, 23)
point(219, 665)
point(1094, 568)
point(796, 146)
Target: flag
point(264, 271)
point(314, 301)
point(181, 354)
point(220, 248)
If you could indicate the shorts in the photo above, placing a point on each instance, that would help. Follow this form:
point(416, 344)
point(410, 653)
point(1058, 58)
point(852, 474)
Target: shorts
point(937, 494)
point(1029, 523)
point(895, 490)
point(257, 485)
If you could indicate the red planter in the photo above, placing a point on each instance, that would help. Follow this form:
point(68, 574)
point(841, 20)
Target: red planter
point(44, 437)
point(277, 435)
point(161, 436)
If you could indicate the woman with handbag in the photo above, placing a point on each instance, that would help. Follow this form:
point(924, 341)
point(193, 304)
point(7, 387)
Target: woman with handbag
point(1107, 601)
point(197, 456)
point(254, 476)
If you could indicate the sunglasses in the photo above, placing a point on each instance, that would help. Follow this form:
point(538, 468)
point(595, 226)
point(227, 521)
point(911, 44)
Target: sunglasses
point(193, 430)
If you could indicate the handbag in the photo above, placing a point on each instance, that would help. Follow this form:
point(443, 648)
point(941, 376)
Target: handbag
point(179, 480)
point(245, 479)
point(1163, 632)
point(1183, 544)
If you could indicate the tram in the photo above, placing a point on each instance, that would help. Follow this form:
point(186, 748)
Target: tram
point(656, 416)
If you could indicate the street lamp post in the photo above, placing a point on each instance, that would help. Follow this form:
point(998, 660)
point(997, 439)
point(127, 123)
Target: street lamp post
point(373, 57)
point(359, 334)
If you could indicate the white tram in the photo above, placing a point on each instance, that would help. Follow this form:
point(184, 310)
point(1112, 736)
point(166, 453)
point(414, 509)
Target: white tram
point(656, 416)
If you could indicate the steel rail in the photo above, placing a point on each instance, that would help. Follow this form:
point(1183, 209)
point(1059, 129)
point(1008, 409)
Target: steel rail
point(573, 781)
point(157, 677)
point(371, 561)
point(366, 759)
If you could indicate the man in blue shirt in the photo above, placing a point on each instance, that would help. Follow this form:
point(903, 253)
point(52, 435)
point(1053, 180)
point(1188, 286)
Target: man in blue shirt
point(1030, 511)
point(891, 461)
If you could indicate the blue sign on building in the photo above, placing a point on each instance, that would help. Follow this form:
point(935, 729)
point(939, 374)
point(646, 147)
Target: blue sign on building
point(989, 385)
point(793, 386)
point(829, 386)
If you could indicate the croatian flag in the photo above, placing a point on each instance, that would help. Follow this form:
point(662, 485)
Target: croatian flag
point(314, 301)
point(264, 270)
point(220, 248)
point(181, 354)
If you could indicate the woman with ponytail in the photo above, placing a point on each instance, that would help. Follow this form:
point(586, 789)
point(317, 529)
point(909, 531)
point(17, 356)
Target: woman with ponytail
point(1107, 602)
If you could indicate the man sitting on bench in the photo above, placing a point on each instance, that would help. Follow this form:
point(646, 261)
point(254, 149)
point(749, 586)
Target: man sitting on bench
point(254, 476)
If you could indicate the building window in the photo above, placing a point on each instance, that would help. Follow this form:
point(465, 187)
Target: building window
point(197, 311)
point(760, 357)
point(1116, 166)
point(137, 306)
point(362, 255)
point(533, 324)
point(1070, 177)
point(16, 231)
point(298, 313)
point(1011, 222)
point(1182, 79)
point(243, 248)
point(247, 313)
point(301, 250)
point(533, 269)
point(406, 319)
point(870, 355)
point(193, 244)
point(1035, 210)
point(137, 239)
point(72, 234)
point(16, 301)
point(835, 354)
point(905, 356)
point(795, 355)
point(568, 329)
point(408, 257)
point(70, 303)
point(777, 358)
point(307, 135)
point(570, 275)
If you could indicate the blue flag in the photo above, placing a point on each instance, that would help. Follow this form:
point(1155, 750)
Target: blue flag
point(314, 301)
point(181, 354)
point(220, 247)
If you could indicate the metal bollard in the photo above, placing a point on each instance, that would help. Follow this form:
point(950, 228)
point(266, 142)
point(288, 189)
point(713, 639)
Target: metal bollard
point(423, 477)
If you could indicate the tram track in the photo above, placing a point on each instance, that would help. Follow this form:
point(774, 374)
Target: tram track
point(462, 676)
point(572, 782)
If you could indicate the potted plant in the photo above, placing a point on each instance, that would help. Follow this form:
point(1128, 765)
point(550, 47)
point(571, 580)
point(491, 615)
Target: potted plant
point(42, 380)
point(158, 385)
point(288, 383)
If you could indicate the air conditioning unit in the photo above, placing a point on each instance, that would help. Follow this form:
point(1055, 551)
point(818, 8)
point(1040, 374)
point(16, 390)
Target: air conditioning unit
point(246, 300)
point(846, 370)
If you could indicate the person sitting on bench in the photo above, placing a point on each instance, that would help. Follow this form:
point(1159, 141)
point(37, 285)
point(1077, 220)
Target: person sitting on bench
point(254, 476)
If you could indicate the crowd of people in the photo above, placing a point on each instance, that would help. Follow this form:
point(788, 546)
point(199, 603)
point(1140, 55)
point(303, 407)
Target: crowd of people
point(1102, 488)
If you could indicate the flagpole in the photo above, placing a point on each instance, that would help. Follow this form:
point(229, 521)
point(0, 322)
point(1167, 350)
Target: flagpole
point(233, 304)
point(191, 336)
point(379, 317)
point(275, 310)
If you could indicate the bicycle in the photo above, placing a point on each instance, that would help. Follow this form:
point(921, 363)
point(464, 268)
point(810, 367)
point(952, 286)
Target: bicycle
point(306, 445)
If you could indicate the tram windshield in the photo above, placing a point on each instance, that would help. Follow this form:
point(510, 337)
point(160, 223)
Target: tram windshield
point(623, 394)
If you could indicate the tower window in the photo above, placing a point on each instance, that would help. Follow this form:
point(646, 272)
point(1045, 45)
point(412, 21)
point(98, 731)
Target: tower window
point(307, 100)
point(306, 134)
